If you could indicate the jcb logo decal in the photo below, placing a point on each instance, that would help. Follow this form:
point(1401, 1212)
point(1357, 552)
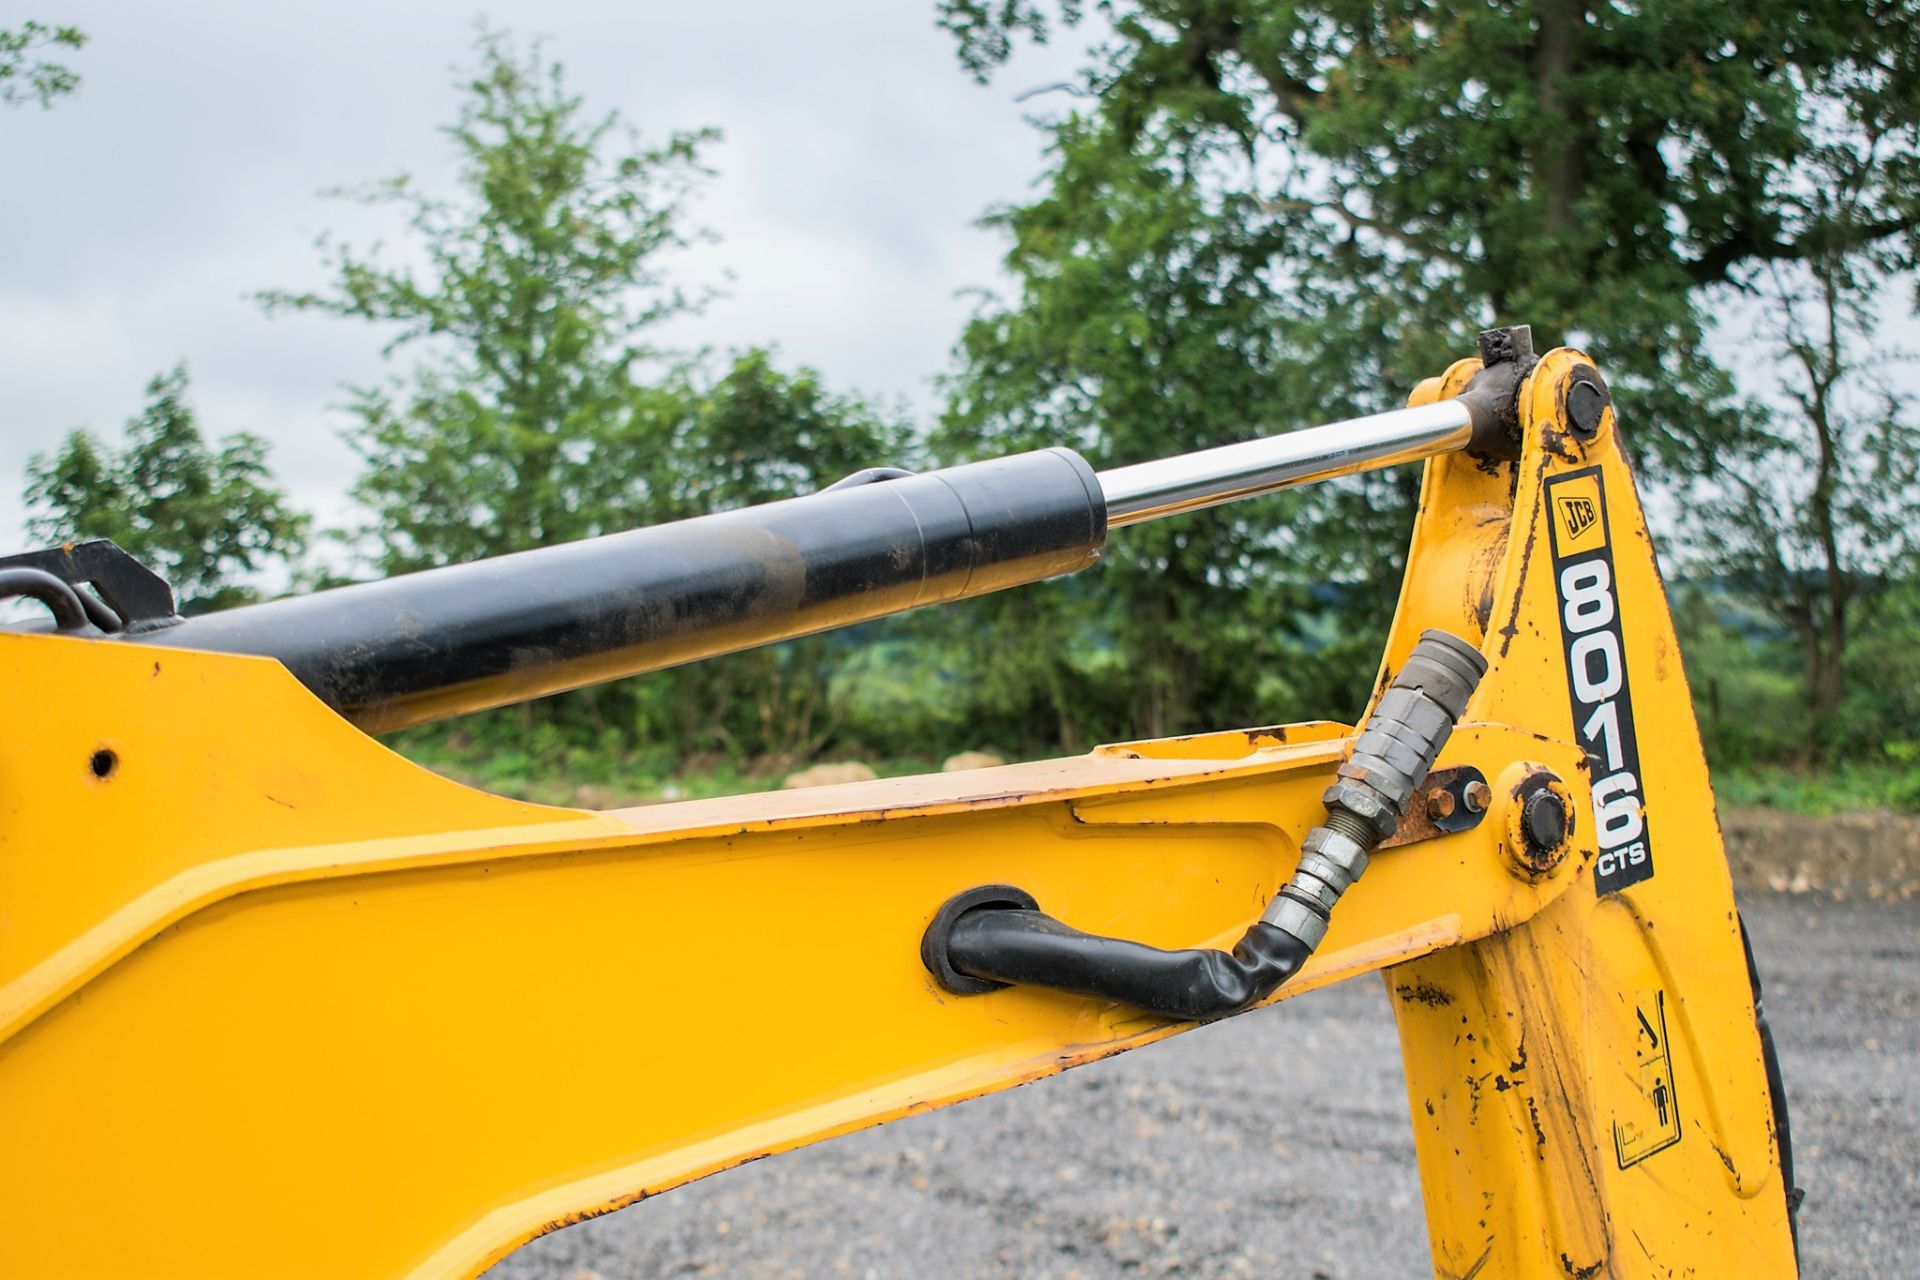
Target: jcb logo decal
point(1579, 523)
point(1580, 515)
point(1597, 676)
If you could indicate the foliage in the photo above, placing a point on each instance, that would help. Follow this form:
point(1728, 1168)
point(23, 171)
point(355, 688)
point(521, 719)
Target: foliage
point(1144, 330)
point(540, 413)
point(1435, 167)
point(1747, 671)
point(25, 76)
point(207, 517)
point(759, 435)
point(552, 763)
point(1891, 782)
point(1882, 706)
point(1815, 511)
point(521, 424)
point(1260, 214)
point(1740, 666)
point(556, 763)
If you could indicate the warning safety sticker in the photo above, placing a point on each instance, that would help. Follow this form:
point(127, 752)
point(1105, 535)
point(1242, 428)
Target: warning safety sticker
point(1650, 1119)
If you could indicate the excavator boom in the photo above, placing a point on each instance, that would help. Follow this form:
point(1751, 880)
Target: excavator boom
point(266, 987)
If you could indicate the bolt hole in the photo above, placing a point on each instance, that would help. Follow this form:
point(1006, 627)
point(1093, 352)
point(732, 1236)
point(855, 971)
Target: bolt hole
point(103, 763)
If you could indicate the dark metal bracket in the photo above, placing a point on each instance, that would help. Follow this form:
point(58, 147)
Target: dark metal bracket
point(1448, 802)
point(137, 599)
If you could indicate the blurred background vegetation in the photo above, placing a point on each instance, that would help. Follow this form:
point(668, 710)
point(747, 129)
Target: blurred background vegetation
point(1251, 214)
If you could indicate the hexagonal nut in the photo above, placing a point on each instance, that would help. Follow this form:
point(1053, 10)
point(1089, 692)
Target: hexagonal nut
point(1297, 919)
point(1364, 803)
point(1389, 763)
point(1342, 851)
point(1320, 880)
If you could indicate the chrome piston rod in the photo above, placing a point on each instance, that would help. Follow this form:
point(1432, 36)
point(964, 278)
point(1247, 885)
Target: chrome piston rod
point(1190, 481)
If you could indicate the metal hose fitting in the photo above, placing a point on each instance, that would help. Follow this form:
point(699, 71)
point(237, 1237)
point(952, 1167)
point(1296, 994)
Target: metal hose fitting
point(1374, 786)
point(997, 936)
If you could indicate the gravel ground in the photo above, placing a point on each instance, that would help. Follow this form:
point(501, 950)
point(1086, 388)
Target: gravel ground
point(1274, 1144)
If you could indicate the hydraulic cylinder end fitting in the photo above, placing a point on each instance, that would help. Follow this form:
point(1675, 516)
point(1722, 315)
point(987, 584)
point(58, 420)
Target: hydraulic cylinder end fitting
point(1374, 786)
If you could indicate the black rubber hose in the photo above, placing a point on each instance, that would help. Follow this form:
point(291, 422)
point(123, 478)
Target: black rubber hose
point(98, 614)
point(1031, 947)
point(996, 935)
point(69, 614)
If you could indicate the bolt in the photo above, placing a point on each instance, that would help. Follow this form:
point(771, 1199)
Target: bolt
point(1439, 804)
point(1586, 401)
point(1544, 821)
point(1479, 795)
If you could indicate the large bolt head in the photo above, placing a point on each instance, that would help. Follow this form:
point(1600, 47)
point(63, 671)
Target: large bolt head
point(1544, 821)
point(1587, 401)
point(1539, 819)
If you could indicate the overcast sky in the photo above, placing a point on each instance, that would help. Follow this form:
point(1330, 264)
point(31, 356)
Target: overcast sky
point(139, 215)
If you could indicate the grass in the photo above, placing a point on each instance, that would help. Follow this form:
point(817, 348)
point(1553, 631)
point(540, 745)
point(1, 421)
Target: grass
point(1849, 786)
point(550, 770)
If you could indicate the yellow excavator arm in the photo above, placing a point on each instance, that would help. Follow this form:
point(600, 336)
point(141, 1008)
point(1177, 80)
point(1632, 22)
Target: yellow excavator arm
point(265, 986)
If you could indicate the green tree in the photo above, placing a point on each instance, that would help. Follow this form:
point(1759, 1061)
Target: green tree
point(1585, 169)
point(1147, 325)
point(1256, 216)
point(26, 76)
point(759, 435)
point(207, 517)
point(520, 424)
point(1814, 516)
point(539, 411)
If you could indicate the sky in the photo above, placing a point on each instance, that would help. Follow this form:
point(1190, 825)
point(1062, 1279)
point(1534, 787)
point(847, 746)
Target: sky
point(140, 215)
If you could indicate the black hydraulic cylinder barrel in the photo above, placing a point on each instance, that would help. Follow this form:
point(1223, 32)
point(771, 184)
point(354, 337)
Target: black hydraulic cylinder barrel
point(442, 642)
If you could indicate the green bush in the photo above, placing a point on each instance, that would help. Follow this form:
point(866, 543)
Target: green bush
point(1850, 785)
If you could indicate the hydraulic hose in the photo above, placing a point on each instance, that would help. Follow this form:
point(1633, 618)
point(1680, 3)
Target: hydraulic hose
point(1034, 949)
point(996, 936)
point(66, 604)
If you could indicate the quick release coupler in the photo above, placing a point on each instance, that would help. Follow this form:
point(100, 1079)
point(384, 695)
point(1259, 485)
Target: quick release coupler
point(996, 935)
